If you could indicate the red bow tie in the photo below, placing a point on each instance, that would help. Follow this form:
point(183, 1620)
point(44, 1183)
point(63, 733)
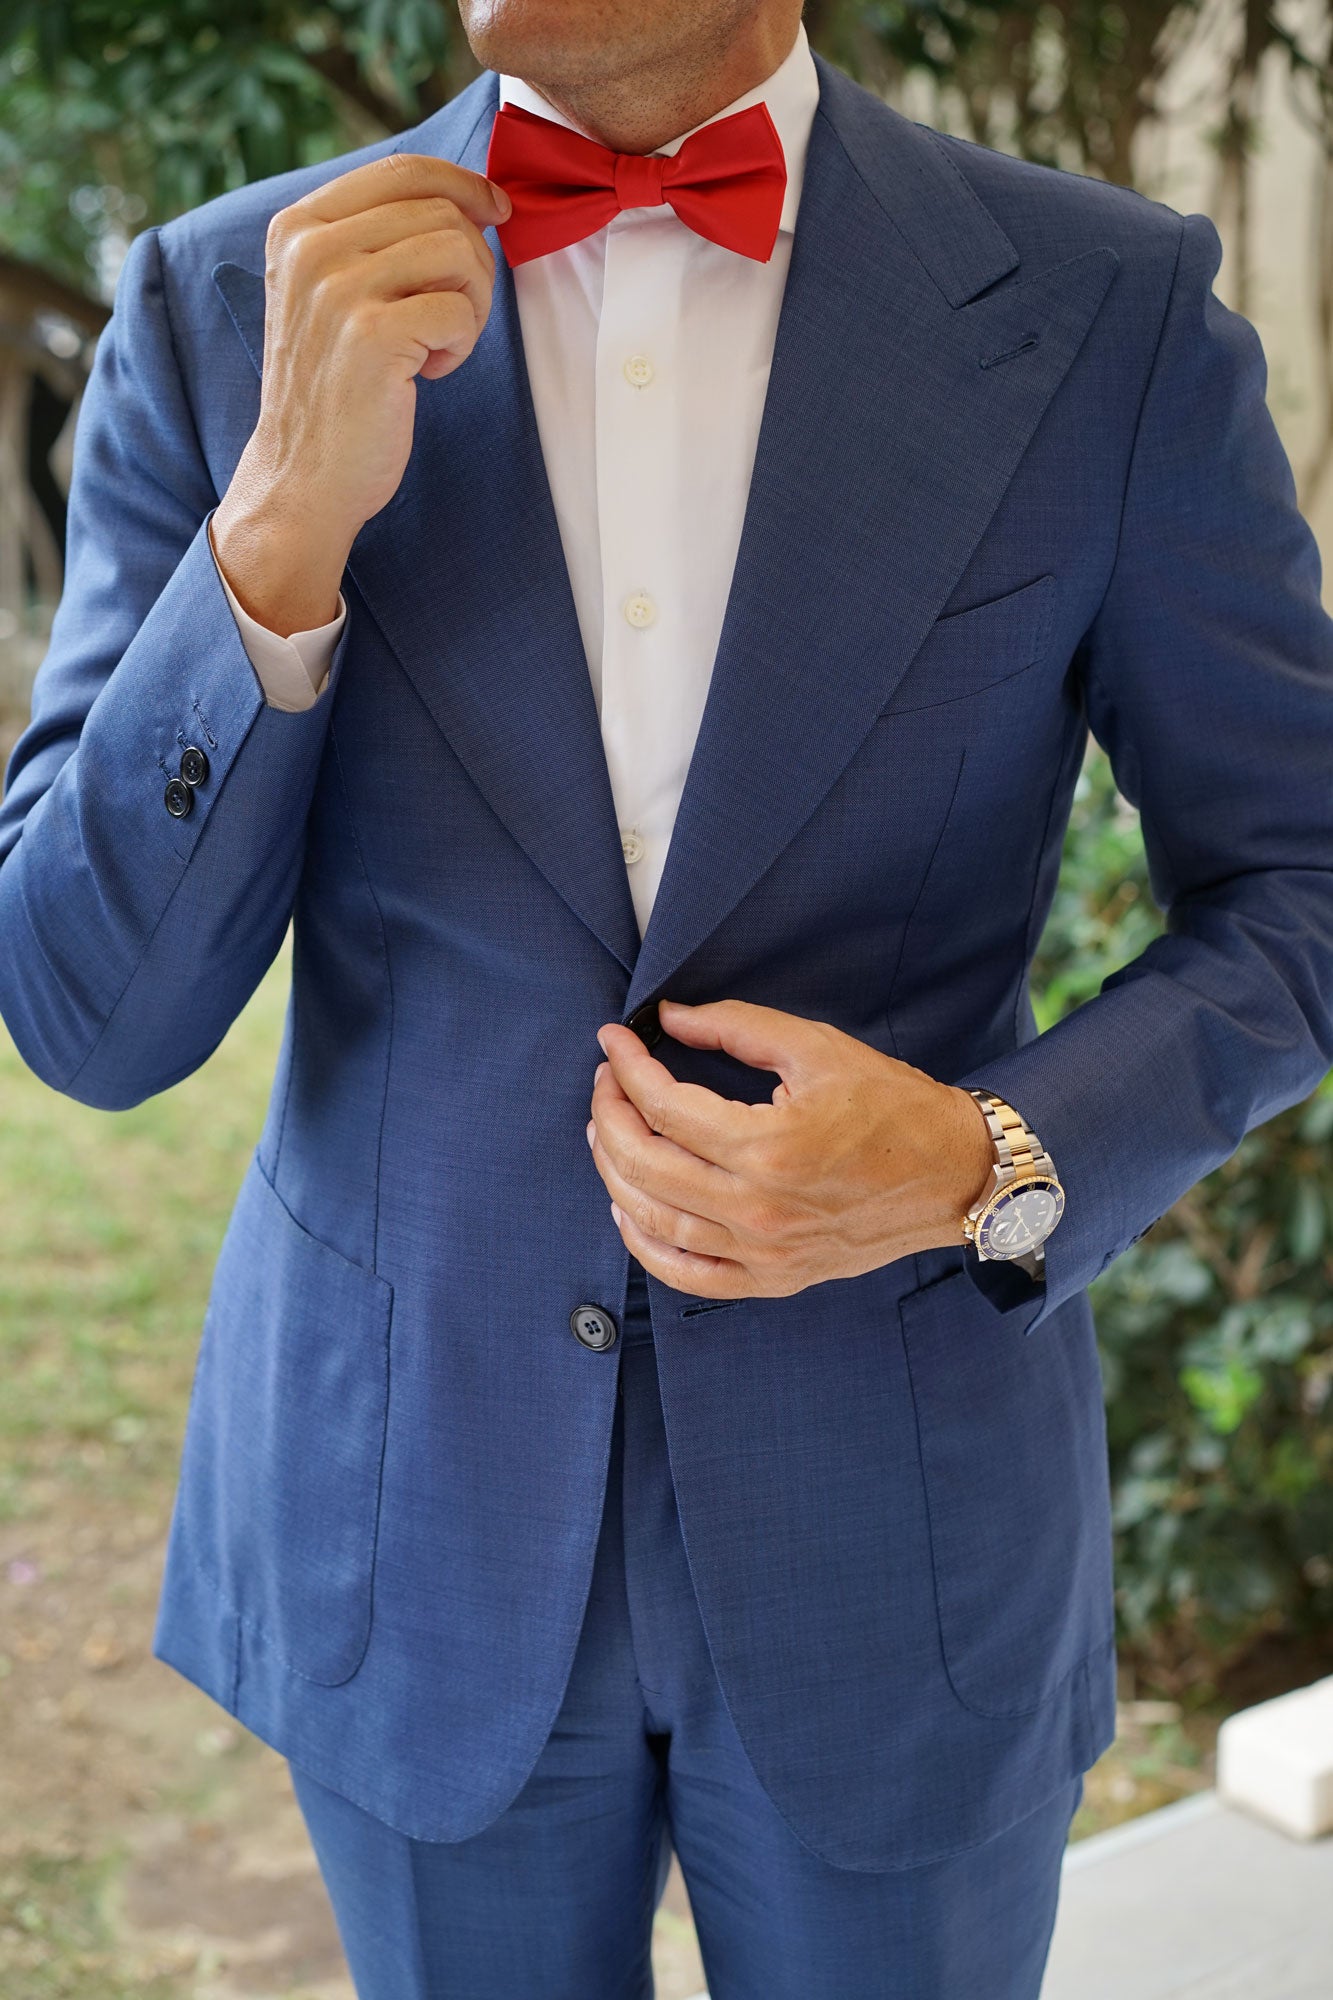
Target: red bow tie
point(726, 182)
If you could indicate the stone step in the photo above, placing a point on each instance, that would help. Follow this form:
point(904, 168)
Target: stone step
point(1196, 1902)
point(1276, 1759)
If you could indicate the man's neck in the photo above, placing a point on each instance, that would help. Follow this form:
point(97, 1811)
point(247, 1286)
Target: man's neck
point(646, 108)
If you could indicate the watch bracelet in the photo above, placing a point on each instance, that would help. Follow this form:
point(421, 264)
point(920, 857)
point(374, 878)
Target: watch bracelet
point(1031, 1157)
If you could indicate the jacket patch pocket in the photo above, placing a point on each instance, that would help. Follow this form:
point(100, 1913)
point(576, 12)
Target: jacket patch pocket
point(966, 651)
point(284, 1441)
point(1012, 1433)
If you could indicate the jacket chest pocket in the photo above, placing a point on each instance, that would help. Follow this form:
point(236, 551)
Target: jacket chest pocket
point(967, 651)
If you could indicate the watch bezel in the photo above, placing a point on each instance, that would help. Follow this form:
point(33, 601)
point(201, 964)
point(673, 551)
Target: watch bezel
point(1000, 1199)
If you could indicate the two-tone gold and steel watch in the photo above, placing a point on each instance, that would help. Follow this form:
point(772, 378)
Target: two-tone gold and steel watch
point(1019, 1210)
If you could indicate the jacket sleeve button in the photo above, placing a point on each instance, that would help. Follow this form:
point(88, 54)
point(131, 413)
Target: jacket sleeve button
point(178, 798)
point(194, 765)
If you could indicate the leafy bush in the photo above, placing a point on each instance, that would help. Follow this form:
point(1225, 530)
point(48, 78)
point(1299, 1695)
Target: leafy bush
point(1216, 1329)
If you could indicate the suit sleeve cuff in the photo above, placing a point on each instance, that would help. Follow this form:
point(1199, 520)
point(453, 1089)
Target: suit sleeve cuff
point(1006, 1285)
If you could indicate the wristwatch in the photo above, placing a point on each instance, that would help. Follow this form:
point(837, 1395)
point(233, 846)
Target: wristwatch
point(1014, 1216)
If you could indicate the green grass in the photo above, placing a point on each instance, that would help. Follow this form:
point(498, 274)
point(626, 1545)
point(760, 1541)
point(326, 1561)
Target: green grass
point(57, 1942)
point(110, 1223)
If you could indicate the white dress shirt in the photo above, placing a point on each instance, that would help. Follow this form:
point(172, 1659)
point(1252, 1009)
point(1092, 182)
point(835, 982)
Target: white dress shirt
point(648, 351)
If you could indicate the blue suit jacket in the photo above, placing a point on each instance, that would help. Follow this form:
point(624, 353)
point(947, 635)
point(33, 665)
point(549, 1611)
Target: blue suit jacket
point(1016, 478)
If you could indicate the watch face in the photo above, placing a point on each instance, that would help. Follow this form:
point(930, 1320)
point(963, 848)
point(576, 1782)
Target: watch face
point(1023, 1216)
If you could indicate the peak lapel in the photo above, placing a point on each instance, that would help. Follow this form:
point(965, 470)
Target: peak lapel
point(896, 414)
point(465, 575)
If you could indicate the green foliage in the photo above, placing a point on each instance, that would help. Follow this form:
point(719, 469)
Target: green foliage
point(116, 112)
point(1216, 1329)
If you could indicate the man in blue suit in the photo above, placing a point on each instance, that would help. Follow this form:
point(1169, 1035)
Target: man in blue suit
point(694, 1442)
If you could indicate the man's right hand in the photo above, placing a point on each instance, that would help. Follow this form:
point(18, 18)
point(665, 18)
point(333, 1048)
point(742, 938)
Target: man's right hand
point(371, 280)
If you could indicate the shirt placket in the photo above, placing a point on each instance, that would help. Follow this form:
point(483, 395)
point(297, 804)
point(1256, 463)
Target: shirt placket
point(640, 421)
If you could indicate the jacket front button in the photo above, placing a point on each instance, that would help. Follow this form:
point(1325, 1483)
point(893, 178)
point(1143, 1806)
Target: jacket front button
point(194, 765)
point(178, 797)
point(593, 1327)
point(645, 1024)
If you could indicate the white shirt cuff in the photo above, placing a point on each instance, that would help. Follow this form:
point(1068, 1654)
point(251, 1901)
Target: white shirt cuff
point(292, 672)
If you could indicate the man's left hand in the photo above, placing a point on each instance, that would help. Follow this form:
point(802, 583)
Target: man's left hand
point(857, 1160)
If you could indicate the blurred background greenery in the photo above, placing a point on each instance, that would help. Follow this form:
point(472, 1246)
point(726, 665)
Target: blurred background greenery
point(1216, 1329)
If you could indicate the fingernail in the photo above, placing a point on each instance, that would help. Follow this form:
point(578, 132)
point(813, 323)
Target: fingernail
point(600, 1043)
point(502, 201)
point(616, 1213)
point(591, 1130)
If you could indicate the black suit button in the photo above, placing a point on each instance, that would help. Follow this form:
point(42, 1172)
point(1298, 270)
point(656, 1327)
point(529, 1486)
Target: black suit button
point(593, 1327)
point(646, 1024)
point(178, 797)
point(194, 765)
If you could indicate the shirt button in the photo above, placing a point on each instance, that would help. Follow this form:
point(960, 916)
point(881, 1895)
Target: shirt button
point(632, 844)
point(639, 371)
point(640, 609)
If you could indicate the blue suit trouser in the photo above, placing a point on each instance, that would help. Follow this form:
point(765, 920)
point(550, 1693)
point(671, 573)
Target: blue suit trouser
point(555, 1899)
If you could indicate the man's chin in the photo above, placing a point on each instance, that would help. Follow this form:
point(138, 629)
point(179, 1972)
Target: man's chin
point(544, 41)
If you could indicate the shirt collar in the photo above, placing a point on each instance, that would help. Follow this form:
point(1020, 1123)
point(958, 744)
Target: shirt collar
point(791, 94)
